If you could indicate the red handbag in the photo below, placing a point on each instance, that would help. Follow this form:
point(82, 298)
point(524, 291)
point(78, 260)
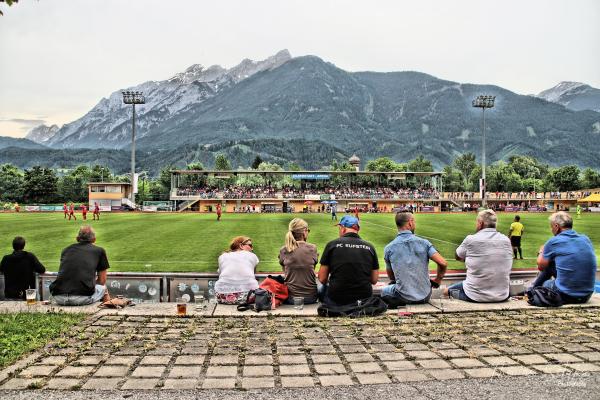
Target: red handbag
point(276, 285)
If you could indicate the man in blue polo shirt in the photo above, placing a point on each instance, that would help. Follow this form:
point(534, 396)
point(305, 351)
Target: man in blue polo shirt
point(569, 258)
point(407, 265)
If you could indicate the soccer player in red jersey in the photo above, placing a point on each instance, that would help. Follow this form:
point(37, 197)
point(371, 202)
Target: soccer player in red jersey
point(96, 214)
point(72, 212)
point(84, 211)
point(219, 211)
point(65, 210)
point(356, 212)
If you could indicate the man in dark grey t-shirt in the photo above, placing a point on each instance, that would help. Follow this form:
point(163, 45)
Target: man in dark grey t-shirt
point(82, 274)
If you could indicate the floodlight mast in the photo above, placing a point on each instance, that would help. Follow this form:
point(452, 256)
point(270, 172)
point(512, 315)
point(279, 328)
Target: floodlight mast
point(483, 102)
point(133, 98)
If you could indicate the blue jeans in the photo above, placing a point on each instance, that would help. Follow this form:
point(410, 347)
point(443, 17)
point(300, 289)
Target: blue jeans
point(76, 300)
point(461, 292)
point(551, 284)
point(545, 276)
point(393, 298)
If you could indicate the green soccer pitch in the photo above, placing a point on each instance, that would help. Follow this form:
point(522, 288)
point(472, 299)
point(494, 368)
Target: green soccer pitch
point(186, 242)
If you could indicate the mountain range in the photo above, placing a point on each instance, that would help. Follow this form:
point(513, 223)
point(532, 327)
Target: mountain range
point(308, 111)
point(575, 96)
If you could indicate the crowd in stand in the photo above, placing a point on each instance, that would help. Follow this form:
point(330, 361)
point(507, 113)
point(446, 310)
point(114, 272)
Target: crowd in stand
point(288, 192)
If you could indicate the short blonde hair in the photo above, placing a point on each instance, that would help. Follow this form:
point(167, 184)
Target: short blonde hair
point(488, 217)
point(562, 219)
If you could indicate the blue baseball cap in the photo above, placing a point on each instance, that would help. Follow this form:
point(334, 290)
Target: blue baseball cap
point(348, 221)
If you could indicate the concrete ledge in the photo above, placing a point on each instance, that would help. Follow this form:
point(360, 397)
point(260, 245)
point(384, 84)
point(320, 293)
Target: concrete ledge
point(435, 306)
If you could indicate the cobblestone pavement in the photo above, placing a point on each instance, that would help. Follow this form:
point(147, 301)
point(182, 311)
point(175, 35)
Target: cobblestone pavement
point(111, 352)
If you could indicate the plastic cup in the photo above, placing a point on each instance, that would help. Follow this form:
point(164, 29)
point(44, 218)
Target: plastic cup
point(454, 293)
point(181, 307)
point(200, 301)
point(31, 296)
point(298, 303)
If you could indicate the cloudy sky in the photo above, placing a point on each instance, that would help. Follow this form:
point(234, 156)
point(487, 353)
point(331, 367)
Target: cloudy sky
point(58, 58)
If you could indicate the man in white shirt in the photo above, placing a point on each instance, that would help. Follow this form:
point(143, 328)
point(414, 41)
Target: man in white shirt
point(488, 259)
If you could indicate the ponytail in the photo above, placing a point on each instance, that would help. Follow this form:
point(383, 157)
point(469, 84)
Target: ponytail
point(294, 234)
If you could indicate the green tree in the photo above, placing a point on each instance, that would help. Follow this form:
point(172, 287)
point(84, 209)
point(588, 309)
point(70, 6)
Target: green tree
point(420, 164)
point(11, 183)
point(527, 166)
point(563, 178)
point(100, 173)
point(40, 185)
point(384, 164)
point(222, 163)
point(195, 166)
point(590, 179)
point(292, 166)
point(501, 177)
point(465, 164)
point(161, 187)
point(453, 180)
point(257, 161)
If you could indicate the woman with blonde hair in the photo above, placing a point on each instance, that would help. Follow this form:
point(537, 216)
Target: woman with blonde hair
point(298, 259)
point(236, 272)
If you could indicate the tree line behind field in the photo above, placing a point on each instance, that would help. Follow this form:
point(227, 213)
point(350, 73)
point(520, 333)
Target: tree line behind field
point(42, 185)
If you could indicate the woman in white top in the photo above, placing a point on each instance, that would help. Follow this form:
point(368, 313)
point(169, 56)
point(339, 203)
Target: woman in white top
point(236, 272)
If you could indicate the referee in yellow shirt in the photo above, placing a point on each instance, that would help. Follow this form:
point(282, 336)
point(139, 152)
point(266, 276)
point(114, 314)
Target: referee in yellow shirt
point(515, 233)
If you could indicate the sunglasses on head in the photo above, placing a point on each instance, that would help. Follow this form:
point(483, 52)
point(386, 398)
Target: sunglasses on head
point(247, 244)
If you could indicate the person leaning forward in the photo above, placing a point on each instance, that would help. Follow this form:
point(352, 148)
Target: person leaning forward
point(19, 270)
point(407, 265)
point(81, 276)
point(569, 258)
point(488, 259)
point(349, 266)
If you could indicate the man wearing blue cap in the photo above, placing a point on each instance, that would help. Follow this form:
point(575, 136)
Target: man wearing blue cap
point(349, 266)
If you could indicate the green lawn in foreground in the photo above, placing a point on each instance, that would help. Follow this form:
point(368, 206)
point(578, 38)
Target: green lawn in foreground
point(23, 332)
point(188, 242)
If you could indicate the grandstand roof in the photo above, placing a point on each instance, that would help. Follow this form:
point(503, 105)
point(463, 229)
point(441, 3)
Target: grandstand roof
point(257, 172)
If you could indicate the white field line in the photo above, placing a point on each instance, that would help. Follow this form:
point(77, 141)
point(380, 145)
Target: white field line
point(423, 236)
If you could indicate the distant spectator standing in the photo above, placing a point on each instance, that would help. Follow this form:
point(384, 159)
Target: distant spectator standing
point(515, 233)
point(237, 267)
point(349, 266)
point(19, 270)
point(298, 259)
point(488, 259)
point(81, 276)
point(17, 207)
point(407, 265)
point(333, 212)
point(569, 258)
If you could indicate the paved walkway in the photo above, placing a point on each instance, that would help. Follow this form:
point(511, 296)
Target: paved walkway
point(157, 350)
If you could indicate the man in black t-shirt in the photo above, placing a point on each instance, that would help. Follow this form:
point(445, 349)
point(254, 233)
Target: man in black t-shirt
point(349, 266)
point(82, 274)
point(19, 270)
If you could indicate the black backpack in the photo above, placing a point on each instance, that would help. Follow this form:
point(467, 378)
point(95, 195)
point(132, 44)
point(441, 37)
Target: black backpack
point(361, 308)
point(263, 299)
point(541, 296)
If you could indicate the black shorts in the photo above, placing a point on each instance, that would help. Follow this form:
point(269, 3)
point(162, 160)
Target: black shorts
point(515, 241)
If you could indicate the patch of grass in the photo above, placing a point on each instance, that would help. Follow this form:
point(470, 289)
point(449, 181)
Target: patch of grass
point(24, 332)
point(192, 242)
